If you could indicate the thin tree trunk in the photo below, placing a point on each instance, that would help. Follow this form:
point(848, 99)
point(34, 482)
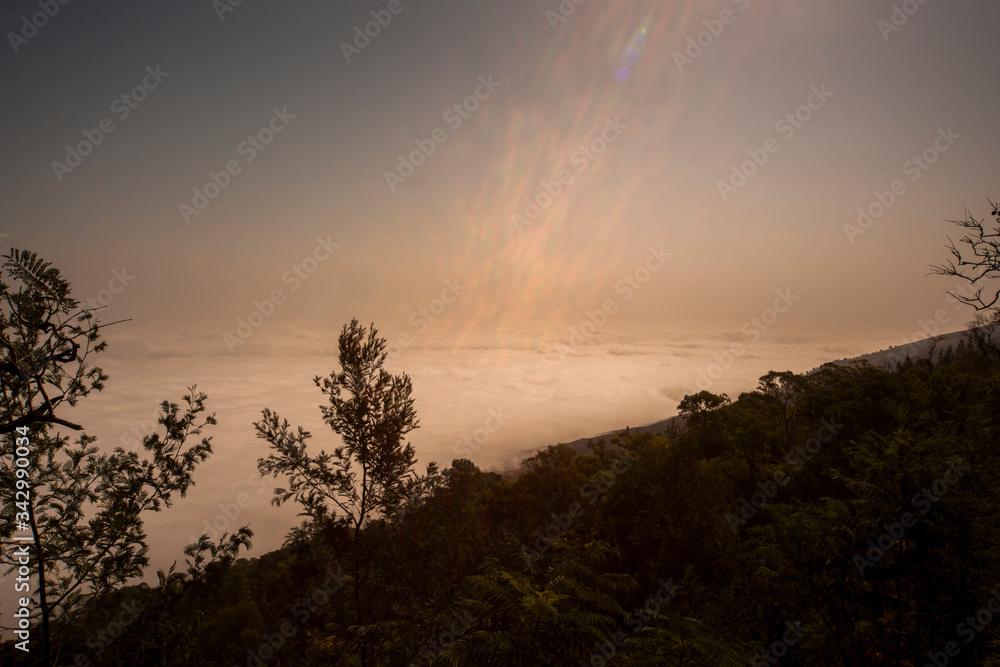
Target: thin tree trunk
point(359, 614)
point(899, 610)
point(43, 602)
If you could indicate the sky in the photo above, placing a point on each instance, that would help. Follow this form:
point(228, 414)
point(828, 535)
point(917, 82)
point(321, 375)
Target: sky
point(562, 217)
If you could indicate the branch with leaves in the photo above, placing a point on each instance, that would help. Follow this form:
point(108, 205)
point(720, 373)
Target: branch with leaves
point(371, 473)
point(45, 340)
point(87, 509)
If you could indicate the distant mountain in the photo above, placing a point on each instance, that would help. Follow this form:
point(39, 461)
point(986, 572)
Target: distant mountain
point(886, 358)
point(918, 349)
point(582, 446)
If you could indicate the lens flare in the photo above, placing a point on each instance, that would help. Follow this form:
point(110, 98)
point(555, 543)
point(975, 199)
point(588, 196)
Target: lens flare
point(631, 55)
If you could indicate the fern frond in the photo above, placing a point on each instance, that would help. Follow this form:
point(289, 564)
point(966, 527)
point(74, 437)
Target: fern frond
point(33, 270)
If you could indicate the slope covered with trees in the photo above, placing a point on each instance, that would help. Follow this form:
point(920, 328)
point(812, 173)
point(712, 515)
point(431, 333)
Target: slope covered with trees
point(848, 517)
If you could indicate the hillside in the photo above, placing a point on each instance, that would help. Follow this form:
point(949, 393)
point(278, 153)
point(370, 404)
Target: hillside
point(767, 527)
point(885, 358)
point(919, 349)
point(762, 527)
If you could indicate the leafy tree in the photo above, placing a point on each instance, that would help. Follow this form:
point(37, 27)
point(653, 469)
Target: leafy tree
point(82, 508)
point(754, 433)
point(461, 518)
point(702, 414)
point(165, 624)
point(556, 610)
point(702, 402)
point(44, 342)
point(985, 335)
point(685, 641)
point(85, 511)
point(369, 476)
point(782, 391)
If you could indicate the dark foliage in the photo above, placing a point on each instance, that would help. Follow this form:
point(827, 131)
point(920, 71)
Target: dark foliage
point(846, 517)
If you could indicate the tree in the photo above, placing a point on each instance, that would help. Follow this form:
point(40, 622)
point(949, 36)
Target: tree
point(702, 402)
point(783, 390)
point(559, 609)
point(703, 422)
point(977, 261)
point(44, 343)
point(371, 474)
point(82, 508)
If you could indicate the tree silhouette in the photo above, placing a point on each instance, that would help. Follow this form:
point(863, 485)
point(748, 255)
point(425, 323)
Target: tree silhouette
point(44, 343)
point(371, 474)
point(82, 508)
point(977, 261)
point(556, 610)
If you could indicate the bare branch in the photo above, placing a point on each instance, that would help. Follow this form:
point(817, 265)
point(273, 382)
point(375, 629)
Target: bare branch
point(976, 259)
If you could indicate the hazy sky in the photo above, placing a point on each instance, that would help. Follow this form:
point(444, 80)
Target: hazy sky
point(562, 219)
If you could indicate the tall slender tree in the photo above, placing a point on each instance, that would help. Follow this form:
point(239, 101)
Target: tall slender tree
point(371, 474)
